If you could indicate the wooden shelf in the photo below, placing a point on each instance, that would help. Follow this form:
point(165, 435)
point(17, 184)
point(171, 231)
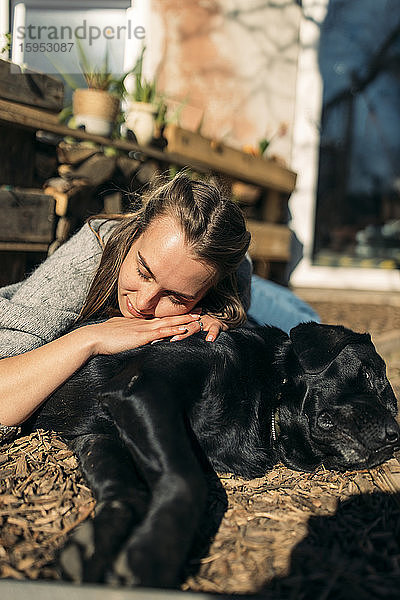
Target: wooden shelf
point(186, 149)
point(30, 87)
point(23, 247)
point(218, 157)
point(269, 241)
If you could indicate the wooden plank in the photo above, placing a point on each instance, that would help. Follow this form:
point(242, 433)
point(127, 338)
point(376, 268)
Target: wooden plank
point(74, 154)
point(270, 175)
point(228, 160)
point(97, 169)
point(245, 193)
point(26, 216)
point(63, 229)
point(269, 241)
point(30, 87)
point(272, 208)
point(17, 156)
point(61, 199)
point(22, 247)
point(33, 118)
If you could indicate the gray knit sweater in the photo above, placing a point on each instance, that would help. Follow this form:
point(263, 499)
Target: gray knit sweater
point(43, 306)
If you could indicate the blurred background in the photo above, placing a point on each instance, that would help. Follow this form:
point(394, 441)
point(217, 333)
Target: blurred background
point(310, 87)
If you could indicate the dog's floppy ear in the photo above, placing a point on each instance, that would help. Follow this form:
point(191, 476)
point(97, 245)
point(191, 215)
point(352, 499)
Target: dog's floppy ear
point(316, 345)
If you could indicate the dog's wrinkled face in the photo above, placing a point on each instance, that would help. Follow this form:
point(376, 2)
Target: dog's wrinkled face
point(338, 408)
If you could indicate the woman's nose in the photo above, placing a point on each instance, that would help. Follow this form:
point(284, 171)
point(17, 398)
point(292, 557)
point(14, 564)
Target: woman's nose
point(146, 300)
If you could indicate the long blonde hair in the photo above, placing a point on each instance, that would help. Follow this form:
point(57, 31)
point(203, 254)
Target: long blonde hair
point(214, 228)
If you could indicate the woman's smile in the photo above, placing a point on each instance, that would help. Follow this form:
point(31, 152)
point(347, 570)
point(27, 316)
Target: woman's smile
point(135, 312)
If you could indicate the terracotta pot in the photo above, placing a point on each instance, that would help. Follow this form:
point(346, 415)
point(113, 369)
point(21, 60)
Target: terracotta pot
point(97, 110)
point(140, 118)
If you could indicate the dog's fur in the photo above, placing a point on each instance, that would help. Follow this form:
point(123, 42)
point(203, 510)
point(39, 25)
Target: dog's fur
point(146, 424)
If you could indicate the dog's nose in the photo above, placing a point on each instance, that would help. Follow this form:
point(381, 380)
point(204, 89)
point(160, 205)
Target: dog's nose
point(392, 433)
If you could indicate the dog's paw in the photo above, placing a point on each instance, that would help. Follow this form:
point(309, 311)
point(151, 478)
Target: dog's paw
point(122, 573)
point(144, 561)
point(94, 545)
point(78, 550)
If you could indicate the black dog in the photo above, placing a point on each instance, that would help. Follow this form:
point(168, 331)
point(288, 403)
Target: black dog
point(146, 424)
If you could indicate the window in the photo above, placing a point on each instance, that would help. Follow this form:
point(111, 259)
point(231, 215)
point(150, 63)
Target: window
point(358, 198)
point(45, 32)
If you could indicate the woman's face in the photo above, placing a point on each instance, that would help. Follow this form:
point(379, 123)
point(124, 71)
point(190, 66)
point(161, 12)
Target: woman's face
point(159, 276)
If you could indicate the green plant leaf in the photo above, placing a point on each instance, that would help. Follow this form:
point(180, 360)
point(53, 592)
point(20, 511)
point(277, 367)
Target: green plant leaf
point(263, 145)
point(65, 114)
point(69, 80)
point(82, 59)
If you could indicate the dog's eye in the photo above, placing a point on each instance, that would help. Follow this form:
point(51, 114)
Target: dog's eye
point(324, 420)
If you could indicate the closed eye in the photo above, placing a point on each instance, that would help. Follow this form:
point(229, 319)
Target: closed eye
point(143, 275)
point(176, 301)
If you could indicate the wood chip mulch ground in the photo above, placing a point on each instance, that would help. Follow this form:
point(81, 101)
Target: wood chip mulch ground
point(42, 498)
point(300, 535)
point(288, 535)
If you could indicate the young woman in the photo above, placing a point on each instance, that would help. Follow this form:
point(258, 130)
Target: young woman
point(173, 267)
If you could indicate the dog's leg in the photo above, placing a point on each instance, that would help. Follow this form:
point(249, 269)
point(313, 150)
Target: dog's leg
point(121, 503)
point(150, 420)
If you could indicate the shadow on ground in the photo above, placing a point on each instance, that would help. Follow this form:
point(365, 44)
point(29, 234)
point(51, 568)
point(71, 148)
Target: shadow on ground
point(354, 554)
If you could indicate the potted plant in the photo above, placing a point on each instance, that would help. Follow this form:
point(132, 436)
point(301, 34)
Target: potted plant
point(95, 108)
point(145, 107)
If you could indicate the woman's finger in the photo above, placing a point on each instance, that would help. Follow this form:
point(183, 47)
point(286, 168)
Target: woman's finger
point(206, 323)
point(191, 328)
point(157, 335)
point(175, 320)
point(213, 332)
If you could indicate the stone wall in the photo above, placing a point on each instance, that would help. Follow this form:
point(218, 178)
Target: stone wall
point(234, 60)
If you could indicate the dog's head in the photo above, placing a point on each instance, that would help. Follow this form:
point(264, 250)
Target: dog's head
point(337, 406)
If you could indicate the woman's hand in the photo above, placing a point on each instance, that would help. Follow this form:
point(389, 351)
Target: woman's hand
point(210, 324)
point(122, 333)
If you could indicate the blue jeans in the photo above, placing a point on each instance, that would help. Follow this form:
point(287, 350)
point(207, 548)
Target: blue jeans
point(273, 304)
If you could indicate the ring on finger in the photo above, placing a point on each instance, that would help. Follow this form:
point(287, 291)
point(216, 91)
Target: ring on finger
point(201, 325)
